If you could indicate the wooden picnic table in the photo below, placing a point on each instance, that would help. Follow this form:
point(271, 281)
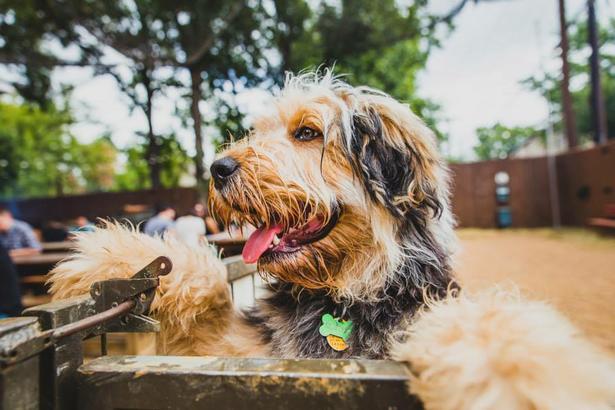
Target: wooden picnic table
point(63, 246)
point(229, 244)
point(39, 264)
point(48, 259)
point(33, 271)
point(223, 238)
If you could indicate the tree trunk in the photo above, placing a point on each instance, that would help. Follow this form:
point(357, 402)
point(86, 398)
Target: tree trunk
point(197, 81)
point(153, 147)
point(568, 113)
point(597, 99)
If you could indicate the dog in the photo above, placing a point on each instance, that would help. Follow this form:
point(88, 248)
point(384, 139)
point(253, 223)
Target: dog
point(349, 199)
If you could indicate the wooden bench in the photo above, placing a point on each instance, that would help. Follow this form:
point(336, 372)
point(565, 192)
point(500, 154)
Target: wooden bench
point(606, 222)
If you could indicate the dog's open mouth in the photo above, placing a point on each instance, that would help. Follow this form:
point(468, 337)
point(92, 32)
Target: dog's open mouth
point(270, 240)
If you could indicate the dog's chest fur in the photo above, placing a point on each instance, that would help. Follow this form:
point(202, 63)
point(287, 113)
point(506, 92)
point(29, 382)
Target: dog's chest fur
point(290, 323)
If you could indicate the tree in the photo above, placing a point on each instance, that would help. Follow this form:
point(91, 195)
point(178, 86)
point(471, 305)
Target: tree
point(174, 164)
point(220, 45)
point(28, 28)
point(381, 44)
point(40, 157)
point(499, 141)
point(216, 41)
point(548, 83)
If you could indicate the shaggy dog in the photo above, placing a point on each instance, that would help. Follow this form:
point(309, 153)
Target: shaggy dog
point(349, 199)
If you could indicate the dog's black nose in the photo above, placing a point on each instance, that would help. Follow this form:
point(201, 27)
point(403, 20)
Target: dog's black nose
point(223, 168)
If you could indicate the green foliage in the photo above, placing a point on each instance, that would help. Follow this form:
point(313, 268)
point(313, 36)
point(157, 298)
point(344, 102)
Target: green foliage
point(499, 141)
point(548, 84)
point(224, 45)
point(174, 163)
point(27, 28)
point(40, 157)
point(377, 43)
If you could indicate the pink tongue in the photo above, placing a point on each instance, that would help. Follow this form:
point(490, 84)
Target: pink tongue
point(258, 243)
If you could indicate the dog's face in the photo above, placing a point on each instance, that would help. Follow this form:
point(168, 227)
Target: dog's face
point(330, 177)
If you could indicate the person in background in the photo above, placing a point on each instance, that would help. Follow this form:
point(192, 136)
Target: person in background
point(191, 228)
point(54, 231)
point(210, 223)
point(161, 222)
point(17, 237)
point(82, 224)
point(10, 299)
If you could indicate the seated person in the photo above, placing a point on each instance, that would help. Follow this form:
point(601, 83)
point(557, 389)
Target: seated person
point(10, 296)
point(54, 231)
point(191, 228)
point(82, 224)
point(161, 222)
point(17, 237)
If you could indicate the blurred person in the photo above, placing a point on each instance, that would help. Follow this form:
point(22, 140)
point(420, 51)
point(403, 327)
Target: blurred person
point(210, 223)
point(10, 296)
point(82, 224)
point(54, 231)
point(16, 236)
point(161, 222)
point(191, 228)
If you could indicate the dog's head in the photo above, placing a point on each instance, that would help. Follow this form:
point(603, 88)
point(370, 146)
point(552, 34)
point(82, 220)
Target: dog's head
point(336, 180)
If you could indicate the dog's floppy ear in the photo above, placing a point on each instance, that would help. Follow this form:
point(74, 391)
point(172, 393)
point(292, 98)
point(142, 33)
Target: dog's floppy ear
point(390, 152)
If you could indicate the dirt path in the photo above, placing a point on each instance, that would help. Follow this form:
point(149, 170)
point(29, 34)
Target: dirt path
point(573, 269)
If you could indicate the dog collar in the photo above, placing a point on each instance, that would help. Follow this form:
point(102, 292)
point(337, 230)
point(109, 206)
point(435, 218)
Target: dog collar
point(336, 331)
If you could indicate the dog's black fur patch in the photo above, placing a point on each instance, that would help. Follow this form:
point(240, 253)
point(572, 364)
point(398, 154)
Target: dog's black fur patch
point(385, 171)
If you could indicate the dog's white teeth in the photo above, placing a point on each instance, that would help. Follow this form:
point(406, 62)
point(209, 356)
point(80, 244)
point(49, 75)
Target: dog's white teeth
point(276, 240)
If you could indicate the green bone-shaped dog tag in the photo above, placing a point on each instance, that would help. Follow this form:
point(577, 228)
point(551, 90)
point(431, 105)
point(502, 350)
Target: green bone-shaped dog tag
point(336, 327)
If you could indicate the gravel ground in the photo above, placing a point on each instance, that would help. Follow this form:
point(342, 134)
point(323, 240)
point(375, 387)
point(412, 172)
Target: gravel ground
point(573, 269)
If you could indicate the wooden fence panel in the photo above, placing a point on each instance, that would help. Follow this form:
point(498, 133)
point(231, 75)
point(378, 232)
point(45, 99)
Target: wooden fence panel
point(102, 204)
point(586, 183)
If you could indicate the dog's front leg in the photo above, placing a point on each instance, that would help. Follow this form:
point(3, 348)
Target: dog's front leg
point(193, 302)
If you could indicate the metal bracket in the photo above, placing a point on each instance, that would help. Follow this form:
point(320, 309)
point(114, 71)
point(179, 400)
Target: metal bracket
point(120, 305)
point(141, 288)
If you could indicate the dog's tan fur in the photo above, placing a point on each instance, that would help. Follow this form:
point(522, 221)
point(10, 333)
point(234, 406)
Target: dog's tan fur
point(495, 350)
point(193, 302)
point(485, 352)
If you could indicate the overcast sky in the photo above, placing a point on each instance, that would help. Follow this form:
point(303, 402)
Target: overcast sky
point(474, 76)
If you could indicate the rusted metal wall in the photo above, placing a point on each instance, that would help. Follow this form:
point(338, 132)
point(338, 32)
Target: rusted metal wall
point(585, 181)
point(107, 204)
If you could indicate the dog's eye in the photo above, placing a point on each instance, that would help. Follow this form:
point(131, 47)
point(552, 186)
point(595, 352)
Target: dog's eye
point(306, 134)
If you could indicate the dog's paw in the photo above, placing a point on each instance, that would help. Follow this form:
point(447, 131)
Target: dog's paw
point(497, 351)
point(119, 251)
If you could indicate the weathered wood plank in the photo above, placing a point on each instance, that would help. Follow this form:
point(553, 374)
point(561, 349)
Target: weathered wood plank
point(156, 382)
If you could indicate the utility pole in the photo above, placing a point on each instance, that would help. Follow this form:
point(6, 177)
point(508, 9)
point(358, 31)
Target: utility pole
point(567, 111)
point(597, 100)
